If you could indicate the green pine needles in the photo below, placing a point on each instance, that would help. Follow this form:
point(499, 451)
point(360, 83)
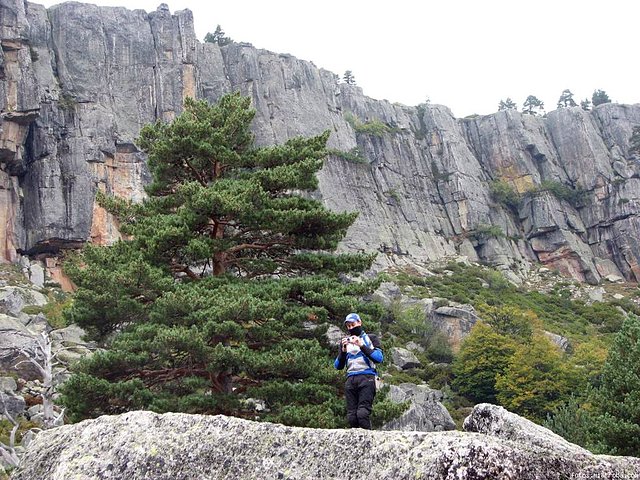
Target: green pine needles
point(220, 295)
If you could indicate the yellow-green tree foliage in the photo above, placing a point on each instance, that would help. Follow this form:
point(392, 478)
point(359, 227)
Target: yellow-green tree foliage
point(511, 321)
point(586, 364)
point(536, 379)
point(483, 355)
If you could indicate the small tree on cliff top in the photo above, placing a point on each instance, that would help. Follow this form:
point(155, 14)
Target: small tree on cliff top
point(531, 104)
point(221, 290)
point(507, 104)
point(599, 97)
point(566, 99)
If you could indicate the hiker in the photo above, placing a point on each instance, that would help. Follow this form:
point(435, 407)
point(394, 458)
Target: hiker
point(359, 352)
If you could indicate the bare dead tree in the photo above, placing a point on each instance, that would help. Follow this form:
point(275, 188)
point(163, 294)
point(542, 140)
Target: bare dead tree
point(42, 357)
point(8, 452)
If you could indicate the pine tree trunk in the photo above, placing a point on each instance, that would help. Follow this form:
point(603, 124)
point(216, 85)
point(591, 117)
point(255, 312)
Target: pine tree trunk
point(219, 265)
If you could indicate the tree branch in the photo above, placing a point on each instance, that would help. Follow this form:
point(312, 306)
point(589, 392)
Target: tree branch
point(8, 451)
point(258, 246)
point(41, 370)
point(184, 269)
point(199, 177)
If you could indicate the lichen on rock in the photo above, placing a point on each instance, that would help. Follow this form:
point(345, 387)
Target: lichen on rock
point(144, 445)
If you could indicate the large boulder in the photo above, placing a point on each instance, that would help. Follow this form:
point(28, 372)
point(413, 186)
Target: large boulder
point(499, 422)
point(69, 345)
point(455, 321)
point(14, 339)
point(426, 413)
point(14, 299)
point(145, 445)
point(12, 404)
point(404, 359)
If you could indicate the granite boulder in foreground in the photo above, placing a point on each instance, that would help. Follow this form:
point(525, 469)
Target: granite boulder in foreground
point(145, 445)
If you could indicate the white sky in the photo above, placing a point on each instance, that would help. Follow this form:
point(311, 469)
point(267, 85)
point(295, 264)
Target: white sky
point(466, 54)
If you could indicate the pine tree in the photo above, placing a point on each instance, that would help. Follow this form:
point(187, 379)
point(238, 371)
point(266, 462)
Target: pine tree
point(618, 399)
point(531, 104)
point(221, 291)
point(566, 99)
point(507, 104)
point(218, 37)
point(573, 421)
point(348, 78)
point(599, 97)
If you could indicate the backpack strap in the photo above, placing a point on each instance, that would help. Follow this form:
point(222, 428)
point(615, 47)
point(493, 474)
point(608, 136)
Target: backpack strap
point(367, 341)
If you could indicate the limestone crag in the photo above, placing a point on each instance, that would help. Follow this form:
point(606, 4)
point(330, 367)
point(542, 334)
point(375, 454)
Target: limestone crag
point(141, 445)
point(77, 82)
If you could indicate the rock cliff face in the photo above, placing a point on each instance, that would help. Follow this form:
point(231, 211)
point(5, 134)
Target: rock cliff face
point(78, 81)
point(142, 445)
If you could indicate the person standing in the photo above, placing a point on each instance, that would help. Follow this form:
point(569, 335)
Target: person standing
point(359, 352)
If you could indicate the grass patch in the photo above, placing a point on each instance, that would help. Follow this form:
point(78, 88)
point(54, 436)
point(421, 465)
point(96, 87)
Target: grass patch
point(12, 275)
point(54, 309)
point(6, 426)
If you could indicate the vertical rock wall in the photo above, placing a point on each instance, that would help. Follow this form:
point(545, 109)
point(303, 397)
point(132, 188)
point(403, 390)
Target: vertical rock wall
point(77, 82)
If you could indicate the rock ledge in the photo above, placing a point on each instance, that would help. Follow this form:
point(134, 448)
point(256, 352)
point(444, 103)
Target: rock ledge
point(145, 445)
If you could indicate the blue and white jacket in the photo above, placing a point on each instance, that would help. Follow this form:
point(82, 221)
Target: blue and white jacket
point(361, 360)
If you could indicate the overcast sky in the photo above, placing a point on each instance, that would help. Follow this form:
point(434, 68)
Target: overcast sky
point(466, 54)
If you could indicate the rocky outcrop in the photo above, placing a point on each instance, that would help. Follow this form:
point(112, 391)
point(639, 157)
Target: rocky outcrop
point(78, 81)
point(14, 339)
point(34, 356)
point(426, 413)
point(497, 421)
point(10, 403)
point(141, 445)
point(404, 359)
point(455, 322)
point(13, 299)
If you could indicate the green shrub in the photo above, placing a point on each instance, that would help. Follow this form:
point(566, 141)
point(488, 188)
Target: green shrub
point(576, 197)
point(384, 410)
point(483, 231)
point(374, 128)
point(354, 155)
point(503, 193)
point(53, 309)
point(392, 193)
point(67, 101)
point(573, 422)
point(556, 311)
